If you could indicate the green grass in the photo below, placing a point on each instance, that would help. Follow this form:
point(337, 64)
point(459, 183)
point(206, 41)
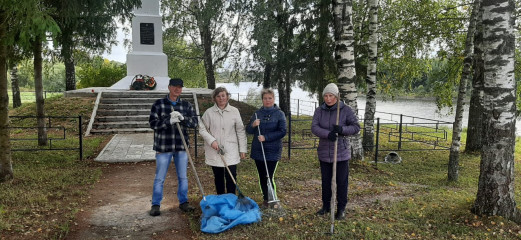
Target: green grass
point(49, 187)
point(410, 200)
point(30, 97)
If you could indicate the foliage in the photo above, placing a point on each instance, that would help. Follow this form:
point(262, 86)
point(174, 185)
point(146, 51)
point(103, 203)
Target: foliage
point(184, 61)
point(100, 73)
point(89, 24)
point(214, 26)
point(26, 74)
point(54, 77)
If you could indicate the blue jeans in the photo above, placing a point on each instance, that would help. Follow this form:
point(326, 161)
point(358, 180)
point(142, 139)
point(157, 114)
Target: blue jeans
point(162, 162)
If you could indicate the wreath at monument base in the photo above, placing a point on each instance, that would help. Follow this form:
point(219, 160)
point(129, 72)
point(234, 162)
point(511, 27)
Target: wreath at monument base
point(143, 82)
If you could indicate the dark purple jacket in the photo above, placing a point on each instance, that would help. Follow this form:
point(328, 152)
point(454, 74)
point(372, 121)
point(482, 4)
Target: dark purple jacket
point(322, 124)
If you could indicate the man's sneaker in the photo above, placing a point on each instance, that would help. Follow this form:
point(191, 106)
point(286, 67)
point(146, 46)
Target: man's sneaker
point(185, 207)
point(155, 211)
point(322, 211)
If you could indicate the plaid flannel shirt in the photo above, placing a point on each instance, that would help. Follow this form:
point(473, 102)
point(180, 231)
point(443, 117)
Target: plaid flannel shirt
point(166, 135)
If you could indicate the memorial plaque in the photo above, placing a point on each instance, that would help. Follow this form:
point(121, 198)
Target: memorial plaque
point(146, 33)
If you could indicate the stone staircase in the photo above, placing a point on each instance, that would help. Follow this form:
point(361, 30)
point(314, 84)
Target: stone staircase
point(126, 112)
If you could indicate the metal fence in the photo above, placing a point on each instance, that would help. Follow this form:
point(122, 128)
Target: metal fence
point(298, 107)
point(59, 138)
point(400, 132)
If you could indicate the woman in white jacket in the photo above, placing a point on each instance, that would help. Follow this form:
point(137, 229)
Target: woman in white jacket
point(223, 130)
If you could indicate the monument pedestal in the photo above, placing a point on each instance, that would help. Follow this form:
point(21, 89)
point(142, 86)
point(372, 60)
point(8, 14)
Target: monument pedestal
point(147, 57)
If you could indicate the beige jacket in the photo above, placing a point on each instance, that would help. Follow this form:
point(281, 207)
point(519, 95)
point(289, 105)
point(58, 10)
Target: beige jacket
point(226, 127)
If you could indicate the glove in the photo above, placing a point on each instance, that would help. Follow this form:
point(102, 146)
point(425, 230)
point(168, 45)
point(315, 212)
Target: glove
point(174, 120)
point(176, 114)
point(332, 136)
point(337, 129)
point(175, 117)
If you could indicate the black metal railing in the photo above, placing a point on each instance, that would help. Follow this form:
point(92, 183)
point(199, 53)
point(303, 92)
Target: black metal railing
point(58, 136)
point(402, 132)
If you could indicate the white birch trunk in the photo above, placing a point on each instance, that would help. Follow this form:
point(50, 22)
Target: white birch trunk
point(345, 58)
point(495, 194)
point(453, 170)
point(370, 104)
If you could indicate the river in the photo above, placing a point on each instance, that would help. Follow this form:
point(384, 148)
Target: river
point(304, 104)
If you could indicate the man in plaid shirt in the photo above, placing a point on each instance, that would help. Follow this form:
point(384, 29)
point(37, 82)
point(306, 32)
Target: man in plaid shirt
point(164, 116)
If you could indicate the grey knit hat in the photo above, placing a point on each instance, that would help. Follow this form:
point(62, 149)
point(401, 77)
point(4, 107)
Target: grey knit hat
point(331, 88)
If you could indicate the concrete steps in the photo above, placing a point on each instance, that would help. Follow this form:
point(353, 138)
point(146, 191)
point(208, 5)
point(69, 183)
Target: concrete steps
point(126, 112)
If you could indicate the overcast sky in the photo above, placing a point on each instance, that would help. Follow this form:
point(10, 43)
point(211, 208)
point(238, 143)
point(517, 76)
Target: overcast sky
point(118, 52)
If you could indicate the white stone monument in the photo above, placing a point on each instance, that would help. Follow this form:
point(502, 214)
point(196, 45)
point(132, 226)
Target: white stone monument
point(147, 57)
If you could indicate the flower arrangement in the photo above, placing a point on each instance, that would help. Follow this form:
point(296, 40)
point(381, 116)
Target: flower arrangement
point(143, 82)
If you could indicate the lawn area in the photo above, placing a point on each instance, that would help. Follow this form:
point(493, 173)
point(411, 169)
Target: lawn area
point(410, 200)
point(49, 187)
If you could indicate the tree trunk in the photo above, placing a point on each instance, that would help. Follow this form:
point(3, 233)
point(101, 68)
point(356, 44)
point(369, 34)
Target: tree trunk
point(6, 167)
point(370, 105)
point(345, 58)
point(206, 39)
point(266, 82)
point(284, 89)
point(15, 88)
point(453, 167)
point(68, 59)
point(495, 194)
point(475, 121)
point(38, 87)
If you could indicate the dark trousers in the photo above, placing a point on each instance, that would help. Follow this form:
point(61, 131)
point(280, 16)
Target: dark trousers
point(222, 179)
point(263, 179)
point(342, 175)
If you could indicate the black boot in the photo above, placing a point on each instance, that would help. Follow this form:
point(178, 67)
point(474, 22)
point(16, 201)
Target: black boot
point(323, 211)
point(340, 215)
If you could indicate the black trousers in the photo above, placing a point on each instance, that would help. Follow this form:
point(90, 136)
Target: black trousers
point(342, 175)
point(223, 180)
point(263, 179)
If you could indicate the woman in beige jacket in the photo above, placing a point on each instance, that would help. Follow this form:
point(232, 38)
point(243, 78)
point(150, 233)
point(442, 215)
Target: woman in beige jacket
point(223, 132)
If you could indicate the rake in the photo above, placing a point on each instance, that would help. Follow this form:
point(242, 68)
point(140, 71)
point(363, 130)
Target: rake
point(272, 196)
point(242, 202)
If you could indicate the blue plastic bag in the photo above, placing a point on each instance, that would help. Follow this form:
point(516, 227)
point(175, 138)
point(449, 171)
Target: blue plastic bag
point(222, 212)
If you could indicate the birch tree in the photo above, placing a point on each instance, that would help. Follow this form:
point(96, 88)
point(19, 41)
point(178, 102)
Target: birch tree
point(370, 79)
point(465, 75)
point(495, 194)
point(345, 58)
point(474, 126)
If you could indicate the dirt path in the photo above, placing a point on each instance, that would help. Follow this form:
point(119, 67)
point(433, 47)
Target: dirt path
point(118, 207)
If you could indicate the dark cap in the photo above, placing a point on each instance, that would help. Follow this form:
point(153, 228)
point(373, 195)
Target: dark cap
point(176, 82)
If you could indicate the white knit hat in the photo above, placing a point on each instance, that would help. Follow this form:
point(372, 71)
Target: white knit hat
point(331, 88)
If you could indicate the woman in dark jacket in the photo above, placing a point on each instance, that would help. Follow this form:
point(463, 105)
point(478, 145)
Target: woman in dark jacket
point(324, 126)
point(272, 123)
